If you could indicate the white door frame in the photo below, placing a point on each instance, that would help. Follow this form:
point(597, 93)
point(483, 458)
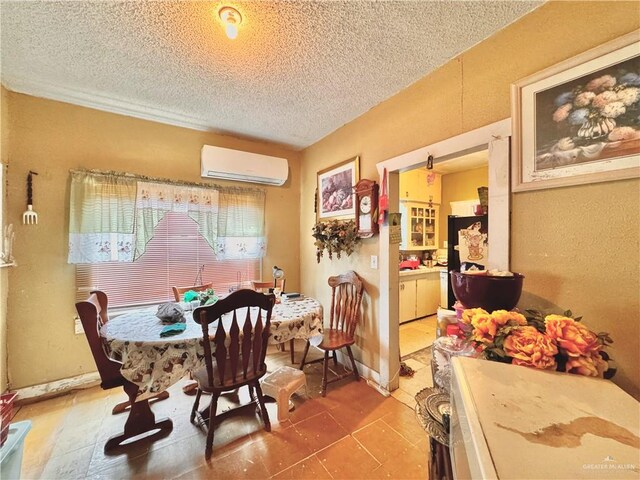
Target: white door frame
point(496, 138)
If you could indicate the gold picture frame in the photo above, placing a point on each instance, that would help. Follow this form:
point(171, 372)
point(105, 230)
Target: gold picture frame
point(576, 122)
point(336, 197)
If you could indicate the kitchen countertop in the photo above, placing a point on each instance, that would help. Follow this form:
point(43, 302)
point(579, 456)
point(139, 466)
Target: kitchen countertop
point(421, 271)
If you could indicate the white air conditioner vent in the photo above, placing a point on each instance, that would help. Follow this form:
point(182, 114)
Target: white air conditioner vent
point(228, 164)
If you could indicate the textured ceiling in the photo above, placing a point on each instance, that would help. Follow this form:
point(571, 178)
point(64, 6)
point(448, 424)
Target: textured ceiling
point(297, 71)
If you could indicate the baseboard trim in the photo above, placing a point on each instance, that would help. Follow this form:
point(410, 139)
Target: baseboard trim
point(369, 375)
point(58, 387)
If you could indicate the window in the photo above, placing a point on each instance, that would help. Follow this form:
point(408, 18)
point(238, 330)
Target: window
point(173, 257)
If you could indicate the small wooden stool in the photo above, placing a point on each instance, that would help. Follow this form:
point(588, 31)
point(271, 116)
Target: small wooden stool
point(280, 385)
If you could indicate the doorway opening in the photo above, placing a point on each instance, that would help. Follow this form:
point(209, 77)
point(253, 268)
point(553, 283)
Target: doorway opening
point(488, 144)
point(427, 198)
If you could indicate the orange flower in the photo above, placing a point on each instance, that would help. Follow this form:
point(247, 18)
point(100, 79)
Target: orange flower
point(528, 347)
point(573, 337)
point(485, 327)
point(503, 317)
point(592, 365)
point(468, 314)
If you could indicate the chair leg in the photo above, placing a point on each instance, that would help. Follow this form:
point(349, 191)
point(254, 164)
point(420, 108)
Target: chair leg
point(304, 355)
point(124, 406)
point(263, 409)
point(292, 352)
point(252, 394)
point(335, 359)
point(353, 363)
point(212, 417)
point(195, 405)
point(325, 369)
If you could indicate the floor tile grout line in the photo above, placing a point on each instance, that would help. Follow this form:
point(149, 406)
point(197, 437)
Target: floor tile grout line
point(400, 433)
point(367, 450)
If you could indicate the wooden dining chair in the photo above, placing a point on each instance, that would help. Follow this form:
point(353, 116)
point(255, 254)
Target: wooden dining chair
point(235, 352)
point(178, 292)
point(93, 315)
point(264, 287)
point(346, 298)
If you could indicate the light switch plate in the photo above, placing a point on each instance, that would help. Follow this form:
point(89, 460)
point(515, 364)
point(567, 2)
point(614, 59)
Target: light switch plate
point(78, 326)
point(374, 262)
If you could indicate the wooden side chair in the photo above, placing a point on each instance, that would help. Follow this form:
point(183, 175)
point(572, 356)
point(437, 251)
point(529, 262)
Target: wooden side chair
point(346, 298)
point(264, 287)
point(178, 292)
point(237, 356)
point(93, 314)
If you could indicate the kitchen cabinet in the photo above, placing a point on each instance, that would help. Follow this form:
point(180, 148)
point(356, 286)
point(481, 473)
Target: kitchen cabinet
point(419, 297)
point(419, 226)
point(421, 185)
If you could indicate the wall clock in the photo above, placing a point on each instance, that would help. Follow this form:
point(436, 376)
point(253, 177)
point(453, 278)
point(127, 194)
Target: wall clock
point(366, 208)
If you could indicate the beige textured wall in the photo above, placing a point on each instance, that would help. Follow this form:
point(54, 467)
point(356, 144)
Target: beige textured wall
point(51, 138)
point(457, 187)
point(4, 272)
point(468, 92)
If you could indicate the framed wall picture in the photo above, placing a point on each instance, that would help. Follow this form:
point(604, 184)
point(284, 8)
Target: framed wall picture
point(336, 197)
point(579, 121)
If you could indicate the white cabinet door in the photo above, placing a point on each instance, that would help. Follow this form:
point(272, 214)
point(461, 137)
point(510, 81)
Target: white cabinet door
point(432, 299)
point(422, 297)
point(407, 300)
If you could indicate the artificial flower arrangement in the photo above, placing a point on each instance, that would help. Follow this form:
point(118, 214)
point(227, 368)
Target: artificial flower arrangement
point(205, 297)
point(336, 237)
point(551, 342)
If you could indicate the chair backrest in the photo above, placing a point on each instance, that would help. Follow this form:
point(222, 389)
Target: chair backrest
point(346, 297)
point(265, 286)
point(93, 314)
point(240, 341)
point(178, 292)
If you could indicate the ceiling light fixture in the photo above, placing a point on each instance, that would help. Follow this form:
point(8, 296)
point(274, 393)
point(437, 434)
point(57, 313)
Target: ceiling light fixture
point(231, 18)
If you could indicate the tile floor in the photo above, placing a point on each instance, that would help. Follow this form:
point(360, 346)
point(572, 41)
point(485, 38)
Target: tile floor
point(354, 432)
point(415, 336)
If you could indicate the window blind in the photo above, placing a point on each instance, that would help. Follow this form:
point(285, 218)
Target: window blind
point(173, 257)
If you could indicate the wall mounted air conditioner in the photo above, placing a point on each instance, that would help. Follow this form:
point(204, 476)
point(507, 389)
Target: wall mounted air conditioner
point(228, 164)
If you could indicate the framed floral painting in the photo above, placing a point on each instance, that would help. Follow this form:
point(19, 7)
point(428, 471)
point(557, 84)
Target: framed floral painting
point(579, 121)
point(336, 198)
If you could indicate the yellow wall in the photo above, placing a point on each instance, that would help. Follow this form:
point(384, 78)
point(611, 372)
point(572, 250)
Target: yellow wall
point(553, 230)
point(4, 272)
point(51, 138)
point(457, 187)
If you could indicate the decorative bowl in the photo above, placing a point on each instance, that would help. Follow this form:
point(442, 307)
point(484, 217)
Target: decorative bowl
point(486, 291)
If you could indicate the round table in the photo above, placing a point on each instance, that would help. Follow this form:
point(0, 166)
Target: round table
point(155, 363)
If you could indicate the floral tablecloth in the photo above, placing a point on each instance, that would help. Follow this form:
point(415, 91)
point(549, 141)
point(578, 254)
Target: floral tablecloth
point(154, 363)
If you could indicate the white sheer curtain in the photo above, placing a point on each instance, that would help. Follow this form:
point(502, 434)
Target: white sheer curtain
point(241, 224)
point(101, 218)
point(154, 200)
point(113, 217)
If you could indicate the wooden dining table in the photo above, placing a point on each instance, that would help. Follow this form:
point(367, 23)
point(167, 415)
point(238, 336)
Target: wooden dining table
point(154, 363)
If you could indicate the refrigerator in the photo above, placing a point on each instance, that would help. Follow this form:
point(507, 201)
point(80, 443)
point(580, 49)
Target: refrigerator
point(468, 243)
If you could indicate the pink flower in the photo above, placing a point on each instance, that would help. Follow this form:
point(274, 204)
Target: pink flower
point(562, 113)
point(601, 83)
point(584, 99)
point(623, 133)
point(605, 98)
